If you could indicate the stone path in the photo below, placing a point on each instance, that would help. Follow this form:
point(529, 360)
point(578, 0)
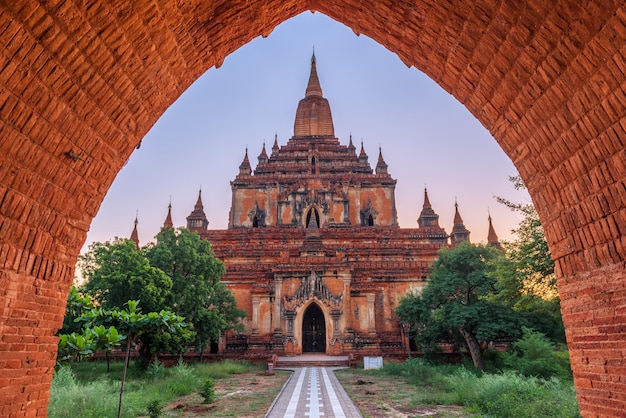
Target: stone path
point(313, 392)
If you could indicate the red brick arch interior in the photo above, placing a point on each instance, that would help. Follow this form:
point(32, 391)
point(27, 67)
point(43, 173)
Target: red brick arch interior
point(81, 82)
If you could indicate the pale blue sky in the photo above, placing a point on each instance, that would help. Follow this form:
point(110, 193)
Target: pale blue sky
point(427, 137)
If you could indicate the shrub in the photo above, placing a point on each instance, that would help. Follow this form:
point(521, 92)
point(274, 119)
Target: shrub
point(154, 409)
point(513, 395)
point(155, 370)
point(535, 355)
point(207, 391)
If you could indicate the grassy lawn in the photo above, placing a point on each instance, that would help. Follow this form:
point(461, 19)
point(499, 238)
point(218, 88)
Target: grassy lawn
point(87, 390)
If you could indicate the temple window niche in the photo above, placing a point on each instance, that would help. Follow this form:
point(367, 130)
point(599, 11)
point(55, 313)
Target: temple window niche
point(257, 216)
point(368, 215)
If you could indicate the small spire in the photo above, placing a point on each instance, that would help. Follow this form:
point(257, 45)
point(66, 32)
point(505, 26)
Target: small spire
point(428, 217)
point(199, 204)
point(362, 154)
point(168, 219)
point(380, 156)
point(457, 215)
point(263, 155)
point(134, 236)
point(275, 146)
point(492, 237)
point(197, 220)
point(426, 199)
point(381, 166)
point(244, 168)
point(459, 232)
point(351, 146)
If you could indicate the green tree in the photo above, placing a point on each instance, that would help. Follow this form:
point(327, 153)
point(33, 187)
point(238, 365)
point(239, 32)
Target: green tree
point(454, 302)
point(197, 292)
point(529, 252)
point(117, 272)
point(525, 276)
point(77, 305)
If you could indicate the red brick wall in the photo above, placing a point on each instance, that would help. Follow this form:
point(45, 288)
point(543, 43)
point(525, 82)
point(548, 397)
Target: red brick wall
point(82, 82)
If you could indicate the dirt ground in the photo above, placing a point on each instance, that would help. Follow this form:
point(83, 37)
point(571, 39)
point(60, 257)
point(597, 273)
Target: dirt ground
point(385, 396)
point(247, 395)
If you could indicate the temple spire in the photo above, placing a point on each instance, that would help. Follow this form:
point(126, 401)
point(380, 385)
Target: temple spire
point(492, 237)
point(275, 146)
point(197, 220)
point(428, 217)
point(459, 232)
point(381, 166)
point(168, 219)
point(263, 155)
point(245, 169)
point(314, 87)
point(313, 116)
point(134, 236)
point(362, 154)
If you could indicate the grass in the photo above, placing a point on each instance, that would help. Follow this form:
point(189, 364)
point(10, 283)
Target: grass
point(416, 387)
point(87, 390)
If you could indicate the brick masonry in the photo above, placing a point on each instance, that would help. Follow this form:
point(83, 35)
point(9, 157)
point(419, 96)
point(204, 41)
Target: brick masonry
point(82, 82)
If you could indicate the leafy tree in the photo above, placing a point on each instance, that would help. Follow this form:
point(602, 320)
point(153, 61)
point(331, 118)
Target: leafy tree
point(197, 292)
point(454, 302)
point(77, 305)
point(525, 276)
point(117, 272)
point(529, 252)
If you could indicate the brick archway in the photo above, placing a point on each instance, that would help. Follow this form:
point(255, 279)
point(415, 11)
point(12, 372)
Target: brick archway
point(83, 81)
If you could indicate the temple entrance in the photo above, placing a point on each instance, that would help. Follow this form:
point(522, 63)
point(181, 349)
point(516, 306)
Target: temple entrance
point(313, 330)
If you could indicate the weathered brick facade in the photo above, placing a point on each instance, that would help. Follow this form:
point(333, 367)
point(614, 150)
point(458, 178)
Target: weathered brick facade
point(82, 82)
point(313, 251)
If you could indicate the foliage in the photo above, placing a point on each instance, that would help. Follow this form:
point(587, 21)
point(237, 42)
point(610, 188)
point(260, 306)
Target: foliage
point(77, 347)
point(535, 355)
point(197, 292)
point(455, 303)
point(512, 395)
point(525, 276)
point(134, 324)
point(118, 272)
point(155, 370)
point(154, 408)
point(207, 391)
point(77, 304)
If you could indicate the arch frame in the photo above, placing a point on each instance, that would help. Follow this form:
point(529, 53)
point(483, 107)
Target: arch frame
point(82, 84)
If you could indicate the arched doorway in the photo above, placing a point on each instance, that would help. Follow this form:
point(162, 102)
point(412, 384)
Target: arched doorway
point(313, 216)
point(313, 330)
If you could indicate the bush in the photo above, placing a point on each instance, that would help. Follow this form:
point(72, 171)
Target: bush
point(155, 370)
point(513, 395)
point(535, 355)
point(154, 409)
point(207, 391)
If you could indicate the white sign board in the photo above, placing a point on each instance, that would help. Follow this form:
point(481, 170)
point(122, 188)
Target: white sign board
point(372, 363)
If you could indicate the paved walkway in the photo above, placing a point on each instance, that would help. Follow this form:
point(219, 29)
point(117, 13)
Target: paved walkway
point(313, 392)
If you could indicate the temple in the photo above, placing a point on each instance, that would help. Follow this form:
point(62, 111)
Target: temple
point(313, 250)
